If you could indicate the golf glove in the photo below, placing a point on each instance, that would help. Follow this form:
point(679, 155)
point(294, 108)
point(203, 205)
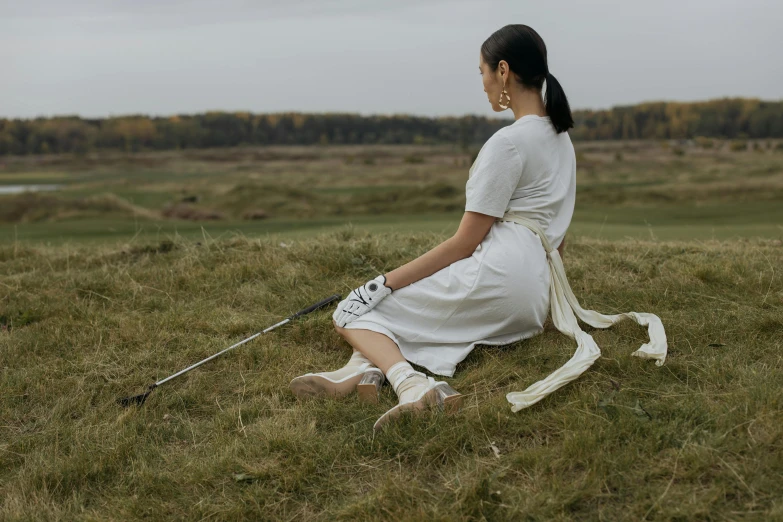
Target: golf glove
point(361, 300)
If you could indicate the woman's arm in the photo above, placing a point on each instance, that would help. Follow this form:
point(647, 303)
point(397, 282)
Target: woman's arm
point(471, 232)
point(561, 248)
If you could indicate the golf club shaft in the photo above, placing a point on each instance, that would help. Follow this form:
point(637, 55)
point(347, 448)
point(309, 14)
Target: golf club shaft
point(281, 323)
point(304, 311)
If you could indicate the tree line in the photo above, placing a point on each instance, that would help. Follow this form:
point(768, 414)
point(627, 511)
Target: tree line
point(727, 118)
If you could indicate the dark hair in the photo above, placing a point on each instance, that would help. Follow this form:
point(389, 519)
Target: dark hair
point(525, 52)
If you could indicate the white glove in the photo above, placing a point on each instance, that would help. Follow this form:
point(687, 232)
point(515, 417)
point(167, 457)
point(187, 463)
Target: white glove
point(361, 300)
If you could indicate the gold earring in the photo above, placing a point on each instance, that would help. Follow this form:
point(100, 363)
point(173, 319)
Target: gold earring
point(508, 98)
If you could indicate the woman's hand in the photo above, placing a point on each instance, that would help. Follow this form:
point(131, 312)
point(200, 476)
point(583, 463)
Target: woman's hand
point(361, 300)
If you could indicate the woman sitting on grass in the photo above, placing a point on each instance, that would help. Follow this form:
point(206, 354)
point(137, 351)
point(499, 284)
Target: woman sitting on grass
point(494, 281)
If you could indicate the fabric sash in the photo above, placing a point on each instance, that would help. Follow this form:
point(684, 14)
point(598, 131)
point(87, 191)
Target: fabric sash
point(563, 304)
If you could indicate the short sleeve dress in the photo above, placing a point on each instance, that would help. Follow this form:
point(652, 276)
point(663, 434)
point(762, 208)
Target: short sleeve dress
point(500, 293)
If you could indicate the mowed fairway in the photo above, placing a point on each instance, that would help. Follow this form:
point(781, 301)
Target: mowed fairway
point(102, 297)
point(721, 222)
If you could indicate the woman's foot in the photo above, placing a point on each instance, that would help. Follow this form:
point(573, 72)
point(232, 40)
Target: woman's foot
point(417, 392)
point(358, 375)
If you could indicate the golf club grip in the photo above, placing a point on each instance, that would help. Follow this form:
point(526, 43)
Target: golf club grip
point(316, 306)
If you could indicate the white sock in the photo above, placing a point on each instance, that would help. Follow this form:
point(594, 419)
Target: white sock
point(406, 381)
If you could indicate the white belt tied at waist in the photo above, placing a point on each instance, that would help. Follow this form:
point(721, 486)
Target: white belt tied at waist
point(563, 304)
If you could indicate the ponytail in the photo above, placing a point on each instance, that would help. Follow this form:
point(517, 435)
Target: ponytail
point(525, 52)
point(557, 105)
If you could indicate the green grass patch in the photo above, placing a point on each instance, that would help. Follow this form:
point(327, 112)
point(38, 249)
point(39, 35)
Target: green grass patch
point(728, 221)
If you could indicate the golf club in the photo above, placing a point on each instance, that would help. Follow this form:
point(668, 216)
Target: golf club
point(141, 398)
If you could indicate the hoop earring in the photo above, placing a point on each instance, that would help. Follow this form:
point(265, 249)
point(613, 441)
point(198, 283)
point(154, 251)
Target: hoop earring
point(508, 98)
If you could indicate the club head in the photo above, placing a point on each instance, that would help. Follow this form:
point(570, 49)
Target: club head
point(137, 400)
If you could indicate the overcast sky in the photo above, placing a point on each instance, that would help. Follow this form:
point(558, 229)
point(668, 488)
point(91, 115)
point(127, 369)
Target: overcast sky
point(161, 57)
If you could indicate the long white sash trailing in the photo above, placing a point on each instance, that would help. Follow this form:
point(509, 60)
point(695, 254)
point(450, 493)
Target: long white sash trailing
point(563, 305)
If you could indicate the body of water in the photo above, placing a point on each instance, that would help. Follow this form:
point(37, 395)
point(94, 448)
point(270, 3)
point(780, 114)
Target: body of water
point(18, 189)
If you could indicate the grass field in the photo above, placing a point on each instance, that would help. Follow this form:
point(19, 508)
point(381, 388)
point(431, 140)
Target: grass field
point(631, 189)
point(722, 222)
point(696, 439)
point(103, 291)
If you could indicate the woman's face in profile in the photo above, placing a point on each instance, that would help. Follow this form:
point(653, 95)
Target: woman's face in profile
point(491, 84)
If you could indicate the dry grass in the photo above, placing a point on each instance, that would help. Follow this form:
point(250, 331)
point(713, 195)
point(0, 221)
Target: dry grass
point(700, 438)
point(31, 207)
point(313, 182)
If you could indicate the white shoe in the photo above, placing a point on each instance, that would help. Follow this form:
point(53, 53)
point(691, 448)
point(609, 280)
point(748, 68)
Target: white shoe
point(418, 392)
point(366, 379)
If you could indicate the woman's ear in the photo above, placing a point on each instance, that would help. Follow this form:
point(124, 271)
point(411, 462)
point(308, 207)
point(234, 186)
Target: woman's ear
point(502, 68)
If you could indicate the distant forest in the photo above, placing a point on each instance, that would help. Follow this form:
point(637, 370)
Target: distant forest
point(722, 118)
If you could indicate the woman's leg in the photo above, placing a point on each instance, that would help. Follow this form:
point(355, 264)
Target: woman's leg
point(379, 349)
point(415, 390)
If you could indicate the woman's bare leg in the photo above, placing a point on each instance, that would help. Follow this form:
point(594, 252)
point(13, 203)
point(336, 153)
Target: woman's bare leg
point(378, 348)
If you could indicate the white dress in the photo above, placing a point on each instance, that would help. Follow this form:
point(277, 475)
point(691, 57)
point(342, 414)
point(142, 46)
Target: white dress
point(500, 294)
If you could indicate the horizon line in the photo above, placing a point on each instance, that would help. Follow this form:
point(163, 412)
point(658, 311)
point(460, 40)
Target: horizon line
point(375, 114)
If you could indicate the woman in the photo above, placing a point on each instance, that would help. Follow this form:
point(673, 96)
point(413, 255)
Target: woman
point(491, 282)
